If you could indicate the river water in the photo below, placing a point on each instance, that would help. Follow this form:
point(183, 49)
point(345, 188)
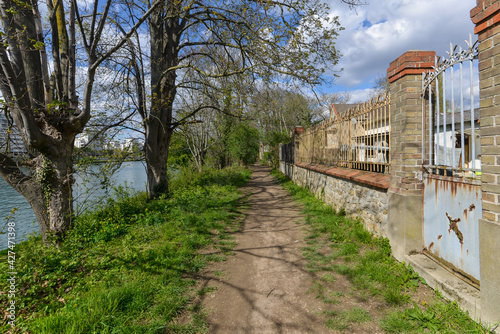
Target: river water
point(87, 194)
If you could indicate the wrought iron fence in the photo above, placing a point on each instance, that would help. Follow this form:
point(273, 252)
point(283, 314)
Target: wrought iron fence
point(287, 152)
point(358, 138)
point(451, 139)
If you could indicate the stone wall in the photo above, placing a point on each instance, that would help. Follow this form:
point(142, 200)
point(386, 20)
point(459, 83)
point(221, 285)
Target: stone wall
point(358, 199)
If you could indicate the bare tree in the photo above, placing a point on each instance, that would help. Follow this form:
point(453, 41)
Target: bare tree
point(381, 86)
point(290, 40)
point(43, 101)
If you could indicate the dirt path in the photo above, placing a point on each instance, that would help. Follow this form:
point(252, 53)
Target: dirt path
point(264, 287)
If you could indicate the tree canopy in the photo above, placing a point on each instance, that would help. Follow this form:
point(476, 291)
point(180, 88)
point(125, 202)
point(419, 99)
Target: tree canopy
point(160, 50)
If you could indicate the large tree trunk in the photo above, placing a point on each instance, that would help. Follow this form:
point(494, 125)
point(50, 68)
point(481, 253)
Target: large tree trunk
point(156, 161)
point(59, 197)
point(164, 28)
point(48, 189)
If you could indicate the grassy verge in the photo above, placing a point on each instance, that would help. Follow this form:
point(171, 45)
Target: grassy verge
point(371, 289)
point(127, 267)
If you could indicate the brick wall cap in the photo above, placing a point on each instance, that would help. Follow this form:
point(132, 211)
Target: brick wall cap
point(485, 15)
point(411, 62)
point(377, 180)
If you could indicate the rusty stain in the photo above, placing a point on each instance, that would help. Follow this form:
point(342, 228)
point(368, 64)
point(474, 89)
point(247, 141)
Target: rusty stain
point(465, 214)
point(440, 236)
point(453, 189)
point(430, 246)
point(436, 190)
point(454, 228)
point(472, 207)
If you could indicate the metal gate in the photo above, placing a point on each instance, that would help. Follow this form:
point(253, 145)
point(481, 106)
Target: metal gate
point(452, 166)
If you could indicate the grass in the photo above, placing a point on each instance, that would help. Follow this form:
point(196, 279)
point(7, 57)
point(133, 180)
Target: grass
point(339, 245)
point(130, 265)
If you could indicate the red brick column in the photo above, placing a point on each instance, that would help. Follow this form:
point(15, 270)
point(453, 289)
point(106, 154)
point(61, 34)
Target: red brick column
point(486, 17)
point(405, 192)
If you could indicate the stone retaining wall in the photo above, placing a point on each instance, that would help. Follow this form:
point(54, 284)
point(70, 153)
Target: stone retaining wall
point(358, 199)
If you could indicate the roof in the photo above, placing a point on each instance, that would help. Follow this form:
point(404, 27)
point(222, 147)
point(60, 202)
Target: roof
point(467, 116)
point(340, 108)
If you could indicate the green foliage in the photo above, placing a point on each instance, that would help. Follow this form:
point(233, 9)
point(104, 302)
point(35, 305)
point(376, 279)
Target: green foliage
point(273, 140)
point(178, 155)
point(441, 317)
point(45, 174)
point(342, 320)
point(243, 143)
point(124, 268)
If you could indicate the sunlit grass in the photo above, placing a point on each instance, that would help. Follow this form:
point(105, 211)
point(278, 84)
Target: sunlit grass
point(129, 266)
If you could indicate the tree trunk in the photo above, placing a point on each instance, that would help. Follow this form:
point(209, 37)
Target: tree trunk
point(164, 33)
point(156, 162)
point(59, 196)
point(48, 191)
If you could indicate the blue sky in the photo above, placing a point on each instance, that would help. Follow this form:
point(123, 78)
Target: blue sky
point(380, 31)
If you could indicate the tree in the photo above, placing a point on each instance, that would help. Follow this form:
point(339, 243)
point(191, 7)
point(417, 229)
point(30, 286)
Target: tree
point(243, 143)
point(381, 86)
point(43, 100)
point(285, 41)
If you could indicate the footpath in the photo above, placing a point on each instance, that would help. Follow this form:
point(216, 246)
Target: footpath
point(265, 287)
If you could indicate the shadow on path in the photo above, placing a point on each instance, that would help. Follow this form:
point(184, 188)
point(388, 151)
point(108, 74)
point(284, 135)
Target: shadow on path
point(264, 286)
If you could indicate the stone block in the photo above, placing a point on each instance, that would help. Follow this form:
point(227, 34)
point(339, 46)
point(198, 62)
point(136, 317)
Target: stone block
point(490, 269)
point(404, 224)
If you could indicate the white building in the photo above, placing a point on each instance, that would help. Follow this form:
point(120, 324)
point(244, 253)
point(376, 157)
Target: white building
point(127, 144)
point(10, 139)
point(130, 142)
point(81, 140)
point(448, 147)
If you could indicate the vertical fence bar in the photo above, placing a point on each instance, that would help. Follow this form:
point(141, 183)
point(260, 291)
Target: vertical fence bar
point(366, 125)
point(379, 136)
point(388, 106)
point(444, 120)
point(437, 116)
point(453, 139)
point(379, 139)
point(462, 134)
point(374, 141)
point(430, 125)
point(423, 116)
point(472, 118)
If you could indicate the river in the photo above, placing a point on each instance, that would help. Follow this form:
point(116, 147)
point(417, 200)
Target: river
point(86, 193)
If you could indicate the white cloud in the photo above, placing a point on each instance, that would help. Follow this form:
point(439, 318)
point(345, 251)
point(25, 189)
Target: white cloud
point(381, 31)
point(360, 95)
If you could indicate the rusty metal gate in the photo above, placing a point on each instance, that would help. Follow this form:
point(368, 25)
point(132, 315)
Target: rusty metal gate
point(452, 166)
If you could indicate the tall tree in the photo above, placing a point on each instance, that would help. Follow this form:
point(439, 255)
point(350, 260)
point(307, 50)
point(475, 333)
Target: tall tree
point(43, 100)
point(268, 40)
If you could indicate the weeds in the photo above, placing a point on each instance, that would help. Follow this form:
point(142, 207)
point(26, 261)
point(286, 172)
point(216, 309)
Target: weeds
point(126, 267)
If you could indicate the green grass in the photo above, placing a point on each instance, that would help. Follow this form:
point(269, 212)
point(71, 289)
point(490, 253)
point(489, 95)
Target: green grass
point(130, 266)
point(343, 319)
point(374, 274)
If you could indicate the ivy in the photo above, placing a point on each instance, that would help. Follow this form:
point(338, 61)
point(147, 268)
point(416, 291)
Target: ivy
point(45, 175)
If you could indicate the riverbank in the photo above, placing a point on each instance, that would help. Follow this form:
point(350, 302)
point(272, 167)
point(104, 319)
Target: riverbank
point(127, 267)
point(88, 191)
point(293, 265)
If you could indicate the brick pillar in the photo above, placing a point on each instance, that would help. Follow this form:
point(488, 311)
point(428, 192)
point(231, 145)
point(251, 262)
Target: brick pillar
point(486, 17)
point(405, 216)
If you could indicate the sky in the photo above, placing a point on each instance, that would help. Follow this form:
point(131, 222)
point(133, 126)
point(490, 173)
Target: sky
point(380, 31)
